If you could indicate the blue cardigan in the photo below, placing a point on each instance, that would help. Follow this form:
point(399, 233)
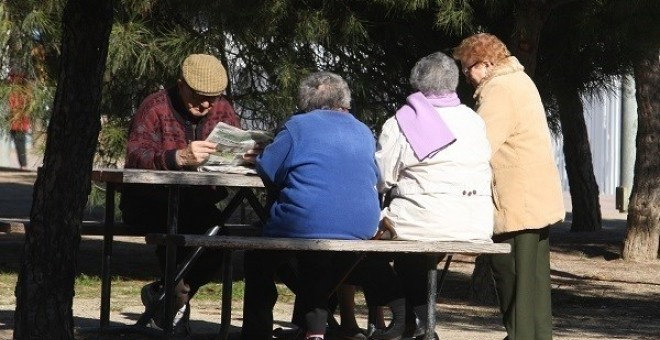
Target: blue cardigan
point(322, 165)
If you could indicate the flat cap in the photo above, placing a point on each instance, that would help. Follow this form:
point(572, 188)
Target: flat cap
point(204, 74)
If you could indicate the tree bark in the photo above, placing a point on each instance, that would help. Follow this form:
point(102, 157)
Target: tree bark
point(45, 287)
point(643, 229)
point(530, 18)
point(579, 165)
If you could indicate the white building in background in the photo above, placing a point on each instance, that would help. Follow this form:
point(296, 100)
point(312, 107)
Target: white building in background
point(602, 115)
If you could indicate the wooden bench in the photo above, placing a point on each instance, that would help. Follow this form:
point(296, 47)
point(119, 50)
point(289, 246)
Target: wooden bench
point(97, 228)
point(88, 228)
point(9, 226)
point(433, 249)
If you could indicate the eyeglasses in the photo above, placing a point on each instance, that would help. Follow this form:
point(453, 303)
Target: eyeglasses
point(198, 98)
point(467, 70)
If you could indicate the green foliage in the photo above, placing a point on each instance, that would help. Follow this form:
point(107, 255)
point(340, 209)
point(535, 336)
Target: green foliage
point(455, 16)
point(268, 46)
point(112, 141)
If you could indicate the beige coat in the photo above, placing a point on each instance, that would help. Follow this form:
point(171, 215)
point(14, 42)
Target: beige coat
point(526, 186)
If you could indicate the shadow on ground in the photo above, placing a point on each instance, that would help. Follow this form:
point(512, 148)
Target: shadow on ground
point(595, 293)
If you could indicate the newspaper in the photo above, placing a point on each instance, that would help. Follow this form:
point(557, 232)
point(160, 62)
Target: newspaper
point(232, 143)
point(229, 169)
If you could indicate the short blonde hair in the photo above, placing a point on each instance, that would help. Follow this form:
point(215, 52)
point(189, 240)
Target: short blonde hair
point(481, 47)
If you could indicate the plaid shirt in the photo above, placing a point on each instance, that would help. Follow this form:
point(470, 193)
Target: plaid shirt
point(162, 125)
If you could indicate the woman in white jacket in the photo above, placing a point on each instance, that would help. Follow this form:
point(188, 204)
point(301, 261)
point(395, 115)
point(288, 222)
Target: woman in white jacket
point(434, 158)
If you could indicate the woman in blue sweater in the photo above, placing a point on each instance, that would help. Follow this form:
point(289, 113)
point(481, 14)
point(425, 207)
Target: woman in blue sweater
point(322, 169)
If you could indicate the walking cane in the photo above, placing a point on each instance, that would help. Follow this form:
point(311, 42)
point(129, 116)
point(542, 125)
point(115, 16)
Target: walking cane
point(185, 267)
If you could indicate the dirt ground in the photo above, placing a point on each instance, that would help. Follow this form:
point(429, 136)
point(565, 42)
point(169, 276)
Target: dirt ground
point(596, 295)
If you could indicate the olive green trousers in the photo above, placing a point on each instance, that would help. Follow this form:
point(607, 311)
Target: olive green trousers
point(522, 281)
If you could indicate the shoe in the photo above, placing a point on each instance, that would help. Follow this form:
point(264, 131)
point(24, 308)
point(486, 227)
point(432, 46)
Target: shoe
point(180, 325)
point(352, 334)
point(417, 331)
point(393, 332)
point(150, 293)
point(415, 328)
point(288, 334)
point(397, 326)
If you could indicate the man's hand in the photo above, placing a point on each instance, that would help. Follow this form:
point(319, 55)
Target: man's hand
point(196, 153)
point(251, 155)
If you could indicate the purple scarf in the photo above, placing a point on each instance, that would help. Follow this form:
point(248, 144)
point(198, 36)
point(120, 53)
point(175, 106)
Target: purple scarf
point(423, 127)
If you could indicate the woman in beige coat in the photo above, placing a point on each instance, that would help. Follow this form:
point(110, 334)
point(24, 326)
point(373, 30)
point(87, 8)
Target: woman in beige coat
point(526, 186)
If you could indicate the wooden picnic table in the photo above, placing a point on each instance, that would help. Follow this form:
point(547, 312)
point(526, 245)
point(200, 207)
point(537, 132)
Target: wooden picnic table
point(174, 180)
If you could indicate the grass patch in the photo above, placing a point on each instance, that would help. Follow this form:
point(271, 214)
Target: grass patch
point(89, 287)
point(213, 291)
point(7, 285)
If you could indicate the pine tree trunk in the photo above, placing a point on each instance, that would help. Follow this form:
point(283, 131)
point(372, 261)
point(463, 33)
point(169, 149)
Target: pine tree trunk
point(530, 19)
point(643, 230)
point(579, 164)
point(45, 288)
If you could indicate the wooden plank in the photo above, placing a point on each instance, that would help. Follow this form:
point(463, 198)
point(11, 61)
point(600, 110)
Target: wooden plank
point(97, 228)
point(118, 229)
point(107, 175)
point(270, 243)
point(5, 227)
point(175, 177)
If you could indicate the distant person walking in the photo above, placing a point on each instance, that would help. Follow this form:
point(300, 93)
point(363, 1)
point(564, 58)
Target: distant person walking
point(19, 121)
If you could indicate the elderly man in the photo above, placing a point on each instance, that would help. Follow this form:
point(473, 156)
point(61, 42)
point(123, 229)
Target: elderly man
point(167, 133)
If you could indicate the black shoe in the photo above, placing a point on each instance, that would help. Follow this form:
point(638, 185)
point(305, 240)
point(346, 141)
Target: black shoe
point(398, 324)
point(288, 334)
point(414, 328)
point(180, 328)
point(417, 331)
point(150, 293)
point(393, 332)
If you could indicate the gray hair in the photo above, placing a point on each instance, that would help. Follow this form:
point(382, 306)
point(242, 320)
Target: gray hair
point(435, 74)
point(323, 90)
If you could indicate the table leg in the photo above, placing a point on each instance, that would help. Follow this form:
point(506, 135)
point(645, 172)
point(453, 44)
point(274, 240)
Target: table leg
point(445, 270)
point(227, 273)
point(170, 258)
point(431, 266)
point(256, 205)
point(107, 254)
point(232, 205)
